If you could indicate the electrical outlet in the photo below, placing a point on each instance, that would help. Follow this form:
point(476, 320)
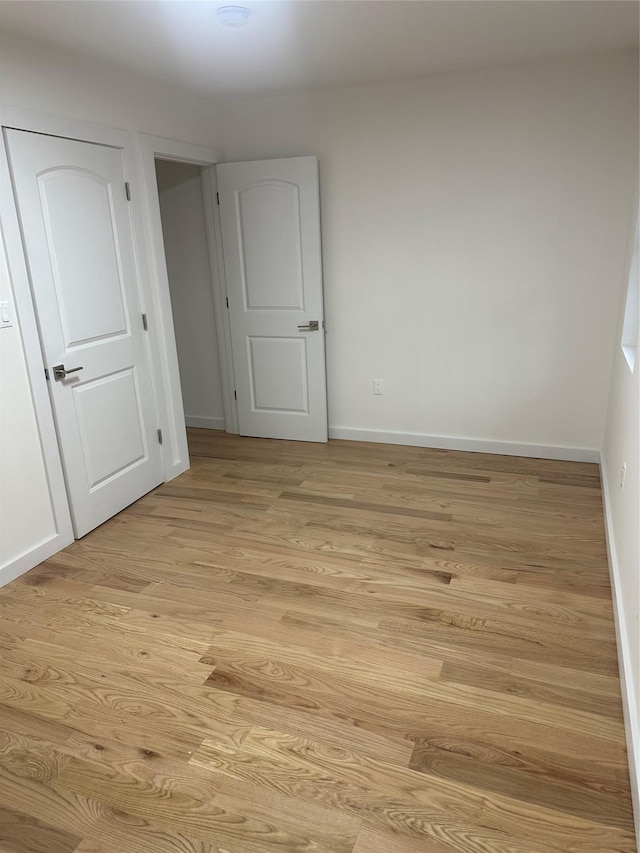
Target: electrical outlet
point(623, 474)
point(377, 386)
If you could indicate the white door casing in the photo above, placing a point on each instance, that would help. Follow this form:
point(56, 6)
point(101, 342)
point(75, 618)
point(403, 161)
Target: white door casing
point(164, 360)
point(78, 240)
point(270, 218)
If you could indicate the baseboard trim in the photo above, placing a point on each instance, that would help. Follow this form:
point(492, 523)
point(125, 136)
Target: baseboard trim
point(631, 712)
point(22, 564)
point(204, 423)
point(474, 445)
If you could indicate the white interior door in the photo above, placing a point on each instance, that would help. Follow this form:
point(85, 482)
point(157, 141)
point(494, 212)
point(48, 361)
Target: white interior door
point(270, 217)
point(78, 240)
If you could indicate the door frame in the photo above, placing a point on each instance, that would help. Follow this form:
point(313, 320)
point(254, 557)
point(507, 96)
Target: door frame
point(275, 327)
point(27, 120)
point(167, 372)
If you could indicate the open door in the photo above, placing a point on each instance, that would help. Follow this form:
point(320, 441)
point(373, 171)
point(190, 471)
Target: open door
point(270, 216)
point(79, 245)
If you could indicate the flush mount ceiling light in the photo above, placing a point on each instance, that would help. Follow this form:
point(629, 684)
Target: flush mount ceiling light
point(233, 16)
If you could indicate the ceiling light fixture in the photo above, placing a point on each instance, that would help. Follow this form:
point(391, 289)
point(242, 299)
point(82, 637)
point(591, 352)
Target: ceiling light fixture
point(233, 16)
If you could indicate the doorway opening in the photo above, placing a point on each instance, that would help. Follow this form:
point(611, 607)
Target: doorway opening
point(189, 248)
point(264, 319)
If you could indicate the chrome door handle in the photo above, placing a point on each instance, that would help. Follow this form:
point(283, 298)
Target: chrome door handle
point(60, 372)
point(312, 326)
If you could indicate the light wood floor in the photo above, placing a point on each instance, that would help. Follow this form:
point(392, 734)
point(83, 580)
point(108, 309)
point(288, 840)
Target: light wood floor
point(341, 648)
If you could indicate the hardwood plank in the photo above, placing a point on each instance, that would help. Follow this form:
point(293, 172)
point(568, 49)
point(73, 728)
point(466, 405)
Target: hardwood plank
point(340, 734)
point(106, 830)
point(340, 648)
point(416, 807)
point(21, 833)
point(415, 718)
point(521, 639)
point(30, 758)
point(598, 803)
point(193, 804)
point(404, 818)
point(483, 677)
point(369, 507)
point(180, 844)
point(482, 650)
point(369, 841)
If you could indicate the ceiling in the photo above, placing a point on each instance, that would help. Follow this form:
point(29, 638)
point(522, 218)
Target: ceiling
point(314, 44)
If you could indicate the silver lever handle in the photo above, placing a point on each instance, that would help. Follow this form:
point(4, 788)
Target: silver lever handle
point(313, 326)
point(60, 372)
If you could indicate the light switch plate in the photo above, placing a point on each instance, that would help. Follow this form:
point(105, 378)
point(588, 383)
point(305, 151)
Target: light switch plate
point(5, 315)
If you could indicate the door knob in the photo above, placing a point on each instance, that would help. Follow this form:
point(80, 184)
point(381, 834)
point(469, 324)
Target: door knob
point(312, 326)
point(60, 372)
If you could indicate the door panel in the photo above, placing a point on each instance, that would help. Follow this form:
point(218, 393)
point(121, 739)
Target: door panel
point(111, 428)
point(79, 244)
point(87, 274)
point(278, 375)
point(270, 219)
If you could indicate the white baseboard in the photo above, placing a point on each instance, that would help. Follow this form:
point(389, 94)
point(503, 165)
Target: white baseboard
point(475, 445)
point(204, 423)
point(625, 666)
point(24, 562)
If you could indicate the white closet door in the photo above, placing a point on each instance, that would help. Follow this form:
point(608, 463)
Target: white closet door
point(79, 244)
point(270, 218)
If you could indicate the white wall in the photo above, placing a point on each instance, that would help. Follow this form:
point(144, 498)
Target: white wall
point(46, 80)
point(621, 445)
point(473, 233)
point(186, 251)
point(26, 511)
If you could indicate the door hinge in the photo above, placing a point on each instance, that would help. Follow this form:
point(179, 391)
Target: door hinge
point(127, 190)
point(46, 374)
point(218, 197)
point(235, 394)
point(227, 301)
point(145, 325)
point(159, 436)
